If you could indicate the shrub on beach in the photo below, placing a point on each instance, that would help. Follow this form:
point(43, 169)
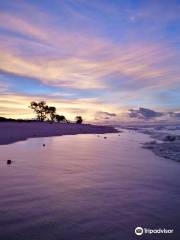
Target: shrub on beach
point(79, 119)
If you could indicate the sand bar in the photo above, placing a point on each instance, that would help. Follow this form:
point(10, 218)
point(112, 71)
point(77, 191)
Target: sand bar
point(11, 132)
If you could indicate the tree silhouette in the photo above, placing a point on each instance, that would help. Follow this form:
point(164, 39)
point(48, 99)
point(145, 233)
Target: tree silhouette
point(60, 118)
point(43, 112)
point(52, 112)
point(79, 119)
point(40, 108)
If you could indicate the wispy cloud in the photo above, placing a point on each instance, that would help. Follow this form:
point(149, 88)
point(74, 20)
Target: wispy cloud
point(144, 113)
point(82, 48)
point(151, 115)
point(3, 87)
point(147, 64)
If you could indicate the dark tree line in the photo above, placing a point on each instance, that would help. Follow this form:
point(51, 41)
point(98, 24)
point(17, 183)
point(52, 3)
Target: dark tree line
point(44, 112)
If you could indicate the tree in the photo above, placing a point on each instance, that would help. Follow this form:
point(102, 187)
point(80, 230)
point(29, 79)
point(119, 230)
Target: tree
point(79, 119)
point(52, 112)
point(40, 108)
point(43, 111)
point(60, 118)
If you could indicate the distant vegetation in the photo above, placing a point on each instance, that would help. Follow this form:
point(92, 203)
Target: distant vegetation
point(3, 119)
point(45, 112)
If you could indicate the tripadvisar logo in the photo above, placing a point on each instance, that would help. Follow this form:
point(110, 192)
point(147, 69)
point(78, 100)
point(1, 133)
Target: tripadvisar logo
point(139, 231)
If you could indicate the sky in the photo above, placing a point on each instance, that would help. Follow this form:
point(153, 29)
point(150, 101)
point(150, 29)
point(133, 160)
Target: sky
point(98, 58)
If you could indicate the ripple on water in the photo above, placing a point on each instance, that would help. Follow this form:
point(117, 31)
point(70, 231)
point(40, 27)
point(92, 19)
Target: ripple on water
point(84, 187)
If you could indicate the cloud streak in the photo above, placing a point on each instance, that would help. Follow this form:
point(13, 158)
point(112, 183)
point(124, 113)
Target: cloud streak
point(144, 113)
point(106, 54)
point(149, 114)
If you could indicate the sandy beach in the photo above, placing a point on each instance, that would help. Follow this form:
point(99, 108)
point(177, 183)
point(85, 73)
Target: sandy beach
point(11, 132)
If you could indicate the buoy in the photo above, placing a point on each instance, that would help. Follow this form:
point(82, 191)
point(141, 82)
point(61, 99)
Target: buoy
point(105, 137)
point(44, 145)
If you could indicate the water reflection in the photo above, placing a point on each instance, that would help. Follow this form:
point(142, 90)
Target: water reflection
point(85, 187)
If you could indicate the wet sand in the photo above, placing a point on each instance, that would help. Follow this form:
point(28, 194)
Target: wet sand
point(11, 132)
point(86, 187)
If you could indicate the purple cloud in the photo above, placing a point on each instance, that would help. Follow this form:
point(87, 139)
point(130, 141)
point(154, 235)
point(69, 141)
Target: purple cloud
point(144, 113)
point(104, 115)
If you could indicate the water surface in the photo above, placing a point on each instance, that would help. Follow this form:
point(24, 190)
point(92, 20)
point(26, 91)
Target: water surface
point(86, 187)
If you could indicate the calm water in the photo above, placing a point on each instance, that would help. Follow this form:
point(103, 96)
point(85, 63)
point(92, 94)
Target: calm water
point(86, 188)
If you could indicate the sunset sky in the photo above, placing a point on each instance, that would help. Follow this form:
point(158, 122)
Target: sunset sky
point(96, 58)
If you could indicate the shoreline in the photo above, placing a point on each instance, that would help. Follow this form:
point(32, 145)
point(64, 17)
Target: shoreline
point(165, 141)
point(167, 145)
point(11, 132)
